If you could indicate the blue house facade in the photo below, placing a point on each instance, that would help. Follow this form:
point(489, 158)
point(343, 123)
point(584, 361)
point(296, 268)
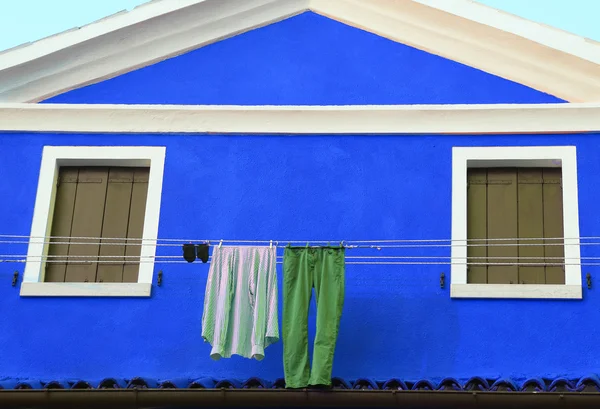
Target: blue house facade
point(465, 201)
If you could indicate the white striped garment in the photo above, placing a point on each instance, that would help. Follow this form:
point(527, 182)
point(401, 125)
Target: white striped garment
point(240, 302)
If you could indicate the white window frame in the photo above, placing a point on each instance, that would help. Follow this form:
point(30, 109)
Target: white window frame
point(52, 158)
point(564, 157)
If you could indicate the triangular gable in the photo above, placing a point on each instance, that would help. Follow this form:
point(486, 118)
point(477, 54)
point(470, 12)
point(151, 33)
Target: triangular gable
point(307, 59)
point(539, 57)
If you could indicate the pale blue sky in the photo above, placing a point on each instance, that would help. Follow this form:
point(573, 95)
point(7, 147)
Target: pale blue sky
point(29, 20)
point(580, 17)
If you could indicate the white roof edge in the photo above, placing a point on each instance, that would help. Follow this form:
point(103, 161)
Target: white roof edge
point(543, 58)
point(73, 36)
point(549, 36)
point(482, 120)
point(300, 108)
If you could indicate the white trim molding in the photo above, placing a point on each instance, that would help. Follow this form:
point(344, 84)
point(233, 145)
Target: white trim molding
point(29, 289)
point(52, 158)
point(541, 57)
point(511, 156)
point(262, 120)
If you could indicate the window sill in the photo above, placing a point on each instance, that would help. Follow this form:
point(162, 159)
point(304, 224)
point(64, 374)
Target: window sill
point(548, 291)
point(85, 289)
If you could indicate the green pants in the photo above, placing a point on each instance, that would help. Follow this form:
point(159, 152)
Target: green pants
point(304, 268)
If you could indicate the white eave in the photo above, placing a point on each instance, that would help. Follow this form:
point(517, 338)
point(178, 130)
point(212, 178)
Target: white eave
point(541, 57)
point(303, 120)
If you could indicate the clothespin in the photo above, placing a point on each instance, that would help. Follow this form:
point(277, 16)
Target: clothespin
point(220, 243)
point(307, 243)
point(271, 244)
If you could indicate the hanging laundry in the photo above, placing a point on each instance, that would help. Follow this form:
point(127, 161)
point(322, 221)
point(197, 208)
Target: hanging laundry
point(304, 268)
point(189, 252)
point(240, 304)
point(202, 251)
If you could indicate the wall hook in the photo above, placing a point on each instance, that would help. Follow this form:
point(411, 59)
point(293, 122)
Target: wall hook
point(442, 280)
point(15, 278)
point(588, 278)
point(159, 279)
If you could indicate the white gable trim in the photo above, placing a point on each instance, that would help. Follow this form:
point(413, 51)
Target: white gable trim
point(261, 120)
point(540, 33)
point(468, 39)
point(530, 156)
point(144, 36)
point(543, 58)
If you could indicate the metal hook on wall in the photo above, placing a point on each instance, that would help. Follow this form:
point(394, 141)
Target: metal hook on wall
point(588, 278)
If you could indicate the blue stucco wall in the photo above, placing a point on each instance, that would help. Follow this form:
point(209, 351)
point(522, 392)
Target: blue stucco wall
point(309, 60)
point(397, 321)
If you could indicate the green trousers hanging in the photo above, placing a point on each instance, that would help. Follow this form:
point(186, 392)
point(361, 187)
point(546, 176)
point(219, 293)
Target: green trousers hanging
point(304, 268)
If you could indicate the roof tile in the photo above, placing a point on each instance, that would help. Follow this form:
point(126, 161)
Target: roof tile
point(534, 384)
point(561, 385)
point(450, 384)
point(364, 383)
point(424, 385)
point(394, 384)
point(589, 383)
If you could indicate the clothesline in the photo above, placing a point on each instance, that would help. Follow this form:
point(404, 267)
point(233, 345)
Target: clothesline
point(143, 261)
point(349, 245)
point(282, 242)
point(73, 256)
point(364, 259)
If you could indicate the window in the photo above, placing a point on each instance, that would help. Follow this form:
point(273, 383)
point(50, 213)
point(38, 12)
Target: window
point(507, 203)
point(513, 206)
point(97, 202)
point(100, 206)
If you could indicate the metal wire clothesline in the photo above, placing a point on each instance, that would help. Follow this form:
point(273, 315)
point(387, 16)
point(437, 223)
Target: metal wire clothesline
point(100, 241)
point(14, 236)
point(440, 263)
point(73, 256)
point(354, 244)
point(366, 259)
